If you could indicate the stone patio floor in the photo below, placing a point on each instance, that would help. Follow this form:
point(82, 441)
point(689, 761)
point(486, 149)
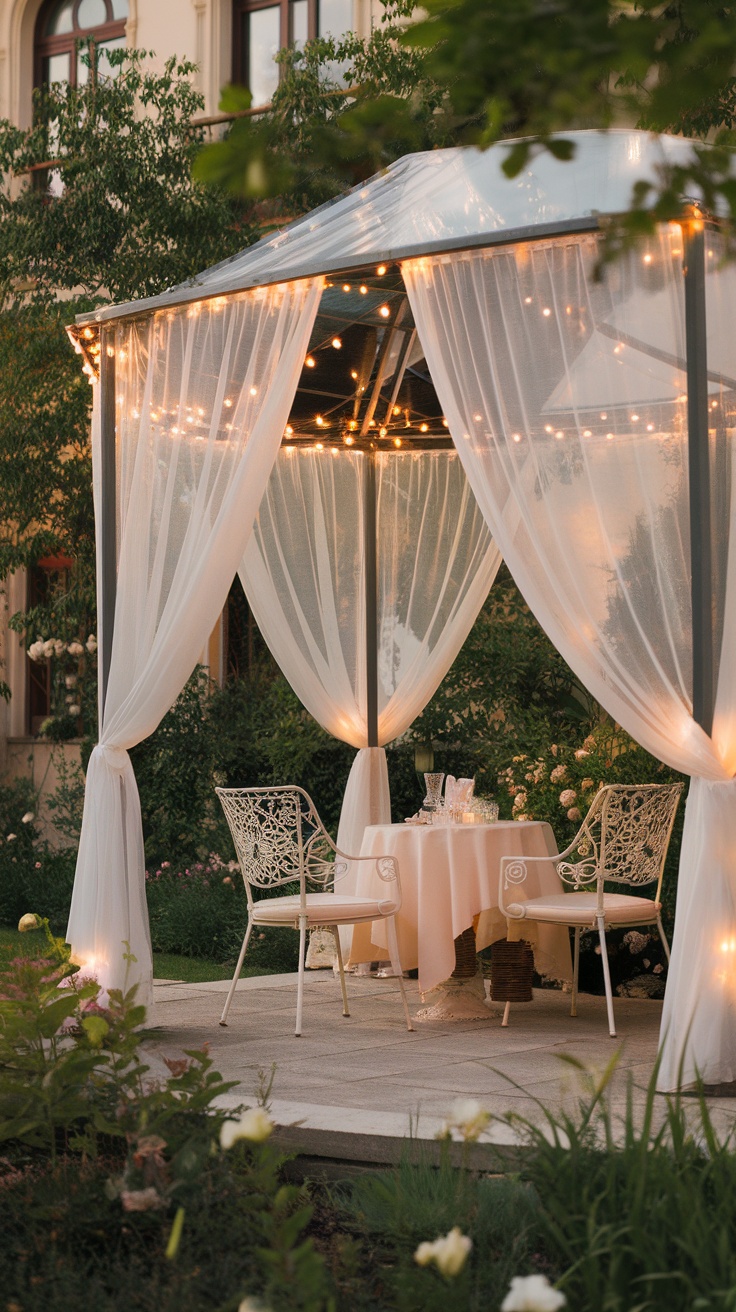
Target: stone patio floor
point(353, 1088)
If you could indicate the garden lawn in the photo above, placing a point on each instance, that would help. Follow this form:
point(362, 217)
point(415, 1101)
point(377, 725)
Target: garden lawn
point(166, 965)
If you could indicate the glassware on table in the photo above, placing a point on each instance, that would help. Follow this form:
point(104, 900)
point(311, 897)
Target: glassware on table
point(433, 784)
point(486, 810)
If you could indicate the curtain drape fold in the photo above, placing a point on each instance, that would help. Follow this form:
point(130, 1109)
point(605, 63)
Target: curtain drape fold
point(566, 396)
point(203, 396)
point(304, 574)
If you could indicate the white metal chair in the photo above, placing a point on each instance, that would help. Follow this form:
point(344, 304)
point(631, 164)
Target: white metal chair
point(622, 840)
point(279, 839)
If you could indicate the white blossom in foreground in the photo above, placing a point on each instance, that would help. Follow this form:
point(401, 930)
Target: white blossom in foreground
point(468, 1118)
point(91, 644)
point(28, 921)
point(532, 1294)
point(75, 649)
point(36, 651)
point(255, 1125)
point(26, 819)
point(449, 1252)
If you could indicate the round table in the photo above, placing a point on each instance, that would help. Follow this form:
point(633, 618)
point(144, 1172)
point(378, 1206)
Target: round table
point(449, 883)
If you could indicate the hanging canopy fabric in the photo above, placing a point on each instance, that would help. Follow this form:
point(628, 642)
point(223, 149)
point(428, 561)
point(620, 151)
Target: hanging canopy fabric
point(304, 572)
point(582, 455)
point(591, 512)
point(202, 399)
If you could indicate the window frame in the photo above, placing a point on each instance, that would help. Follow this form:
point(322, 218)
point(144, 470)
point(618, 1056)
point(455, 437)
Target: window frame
point(240, 45)
point(44, 47)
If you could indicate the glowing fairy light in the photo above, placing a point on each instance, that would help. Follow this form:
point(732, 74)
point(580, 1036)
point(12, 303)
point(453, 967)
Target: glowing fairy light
point(337, 343)
point(384, 311)
point(310, 362)
point(381, 270)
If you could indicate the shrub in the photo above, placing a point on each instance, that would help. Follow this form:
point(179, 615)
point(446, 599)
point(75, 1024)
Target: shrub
point(112, 1189)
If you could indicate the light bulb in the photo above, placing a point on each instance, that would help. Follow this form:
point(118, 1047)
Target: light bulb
point(346, 286)
point(353, 373)
point(319, 446)
point(397, 441)
point(381, 270)
point(363, 290)
point(310, 362)
point(320, 421)
point(289, 430)
point(337, 343)
point(348, 440)
point(424, 428)
point(382, 432)
point(546, 312)
point(384, 312)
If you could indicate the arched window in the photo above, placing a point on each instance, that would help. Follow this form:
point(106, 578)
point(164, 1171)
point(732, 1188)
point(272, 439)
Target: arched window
point(63, 24)
point(263, 27)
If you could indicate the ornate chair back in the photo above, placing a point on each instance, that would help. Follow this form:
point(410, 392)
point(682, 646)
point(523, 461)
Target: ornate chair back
point(279, 839)
point(623, 838)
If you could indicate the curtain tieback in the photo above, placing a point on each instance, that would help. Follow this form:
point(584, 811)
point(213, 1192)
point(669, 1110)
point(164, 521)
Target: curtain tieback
point(115, 758)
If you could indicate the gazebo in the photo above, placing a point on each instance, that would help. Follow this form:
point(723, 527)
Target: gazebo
point(362, 414)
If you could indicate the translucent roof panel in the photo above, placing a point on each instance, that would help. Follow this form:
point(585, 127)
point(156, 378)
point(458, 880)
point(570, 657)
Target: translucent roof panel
point(440, 200)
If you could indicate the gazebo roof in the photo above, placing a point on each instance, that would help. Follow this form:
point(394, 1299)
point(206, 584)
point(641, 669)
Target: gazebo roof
point(438, 201)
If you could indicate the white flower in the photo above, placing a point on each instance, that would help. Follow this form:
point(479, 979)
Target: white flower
point(469, 1118)
point(520, 800)
point(568, 796)
point(520, 818)
point(75, 648)
point(26, 819)
point(11, 838)
point(532, 1294)
point(49, 647)
point(75, 710)
point(91, 644)
point(26, 922)
point(558, 774)
point(255, 1124)
point(59, 647)
point(581, 754)
point(252, 1305)
point(575, 813)
point(449, 1252)
point(36, 651)
point(587, 784)
point(658, 969)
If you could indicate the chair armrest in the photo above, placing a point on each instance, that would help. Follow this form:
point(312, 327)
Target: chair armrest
point(513, 871)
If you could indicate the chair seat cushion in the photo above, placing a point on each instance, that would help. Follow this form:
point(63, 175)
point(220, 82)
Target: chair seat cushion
point(580, 909)
point(322, 909)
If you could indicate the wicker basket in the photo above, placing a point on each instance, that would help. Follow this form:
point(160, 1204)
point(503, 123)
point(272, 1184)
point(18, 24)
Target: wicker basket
point(466, 961)
point(512, 968)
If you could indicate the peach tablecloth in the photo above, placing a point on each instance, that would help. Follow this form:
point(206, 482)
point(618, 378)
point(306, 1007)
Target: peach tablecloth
point(449, 876)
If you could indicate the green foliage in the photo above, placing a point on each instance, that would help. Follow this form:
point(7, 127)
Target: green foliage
point(344, 108)
point(120, 217)
point(639, 1209)
point(106, 1154)
point(392, 1212)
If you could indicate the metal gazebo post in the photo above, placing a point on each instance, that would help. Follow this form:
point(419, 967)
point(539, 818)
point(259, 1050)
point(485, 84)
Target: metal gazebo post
point(108, 503)
point(701, 552)
point(371, 599)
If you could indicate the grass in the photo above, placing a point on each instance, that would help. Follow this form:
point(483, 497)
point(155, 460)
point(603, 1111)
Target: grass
point(166, 965)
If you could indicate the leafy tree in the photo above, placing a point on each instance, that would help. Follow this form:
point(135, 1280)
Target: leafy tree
point(117, 217)
point(486, 72)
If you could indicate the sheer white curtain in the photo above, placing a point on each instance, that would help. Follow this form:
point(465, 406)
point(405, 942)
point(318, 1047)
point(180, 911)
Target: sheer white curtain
point(203, 394)
point(304, 573)
point(566, 397)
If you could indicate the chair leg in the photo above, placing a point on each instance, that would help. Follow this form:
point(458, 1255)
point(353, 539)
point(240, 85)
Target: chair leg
point(663, 937)
point(300, 988)
point(393, 947)
point(506, 1011)
point(338, 951)
point(238, 968)
point(575, 972)
point(606, 976)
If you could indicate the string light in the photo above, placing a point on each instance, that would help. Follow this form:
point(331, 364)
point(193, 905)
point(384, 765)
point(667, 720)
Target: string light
point(319, 446)
point(320, 421)
point(634, 419)
point(383, 432)
point(310, 362)
point(397, 441)
point(337, 343)
point(384, 312)
point(227, 403)
point(527, 300)
point(397, 410)
point(546, 312)
point(587, 432)
point(650, 428)
point(363, 290)
point(424, 428)
point(559, 434)
point(354, 374)
point(445, 424)
point(647, 259)
point(353, 424)
point(604, 414)
point(381, 270)
point(254, 391)
point(348, 440)
point(346, 286)
point(516, 437)
point(289, 430)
